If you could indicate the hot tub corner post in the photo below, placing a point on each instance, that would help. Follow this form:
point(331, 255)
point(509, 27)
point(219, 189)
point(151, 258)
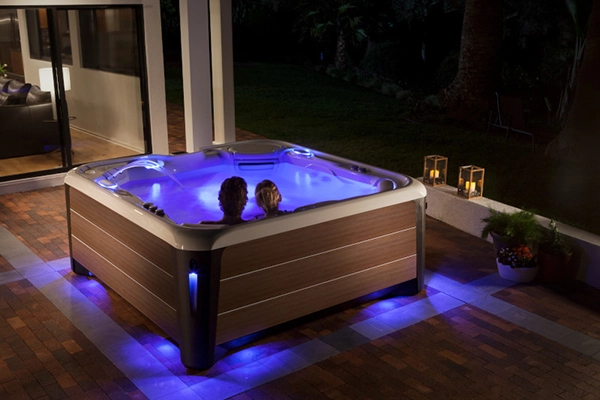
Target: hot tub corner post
point(197, 277)
point(421, 205)
point(76, 267)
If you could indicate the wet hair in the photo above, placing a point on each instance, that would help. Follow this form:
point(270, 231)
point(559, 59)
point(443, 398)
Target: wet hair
point(233, 196)
point(267, 196)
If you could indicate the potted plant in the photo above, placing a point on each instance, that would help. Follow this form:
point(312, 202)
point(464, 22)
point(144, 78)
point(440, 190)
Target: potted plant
point(512, 229)
point(554, 257)
point(517, 263)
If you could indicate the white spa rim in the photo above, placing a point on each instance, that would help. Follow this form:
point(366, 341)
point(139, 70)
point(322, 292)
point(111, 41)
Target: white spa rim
point(212, 237)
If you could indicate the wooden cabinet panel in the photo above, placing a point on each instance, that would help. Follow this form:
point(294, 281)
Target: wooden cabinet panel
point(126, 232)
point(141, 298)
point(135, 265)
point(277, 280)
point(317, 238)
point(266, 314)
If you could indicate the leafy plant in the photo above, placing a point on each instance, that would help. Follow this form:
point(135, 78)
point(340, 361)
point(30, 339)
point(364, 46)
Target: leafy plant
point(555, 242)
point(340, 19)
point(520, 227)
point(520, 256)
point(3, 70)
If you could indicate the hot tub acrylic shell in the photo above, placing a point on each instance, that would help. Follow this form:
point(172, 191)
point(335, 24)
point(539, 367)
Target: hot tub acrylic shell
point(206, 285)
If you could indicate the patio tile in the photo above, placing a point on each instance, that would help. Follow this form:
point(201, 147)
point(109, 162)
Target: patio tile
point(60, 264)
point(372, 328)
point(492, 305)
point(253, 375)
point(35, 269)
point(22, 258)
point(581, 343)
point(10, 276)
point(220, 387)
point(490, 284)
point(139, 365)
point(314, 351)
point(285, 362)
point(431, 306)
point(397, 319)
point(535, 323)
point(184, 394)
point(344, 339)
point(63, 360)
point(463, 292)
point(159, 384)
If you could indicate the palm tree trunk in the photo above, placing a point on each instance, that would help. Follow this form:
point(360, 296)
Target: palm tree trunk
point(580, 138)
point(340, 51)
point(469, 96)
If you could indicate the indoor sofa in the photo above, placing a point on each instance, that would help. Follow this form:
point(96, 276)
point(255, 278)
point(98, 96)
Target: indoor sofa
point(27, 126)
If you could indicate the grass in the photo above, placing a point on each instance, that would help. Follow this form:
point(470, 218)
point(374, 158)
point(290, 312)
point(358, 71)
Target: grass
point(312, 109)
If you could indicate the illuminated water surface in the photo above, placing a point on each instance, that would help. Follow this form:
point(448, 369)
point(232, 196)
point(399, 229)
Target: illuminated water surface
point(193, 196)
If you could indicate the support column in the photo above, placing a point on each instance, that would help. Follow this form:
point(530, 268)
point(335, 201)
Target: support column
point(195, 54)
point(222, 66)
point(157, 107)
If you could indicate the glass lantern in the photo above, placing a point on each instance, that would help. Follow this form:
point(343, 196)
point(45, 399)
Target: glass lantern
point(435, 170)
point(470, 181)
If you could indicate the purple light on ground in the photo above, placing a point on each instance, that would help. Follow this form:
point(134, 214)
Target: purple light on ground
point(232, 344)
point(168, 350)
point(382, 306)
point(246, 355)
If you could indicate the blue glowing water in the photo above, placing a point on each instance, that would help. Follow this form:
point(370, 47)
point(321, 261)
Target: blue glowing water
point(193, 196)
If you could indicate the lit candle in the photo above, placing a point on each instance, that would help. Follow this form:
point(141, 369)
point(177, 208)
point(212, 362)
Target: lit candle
point(470, 186)
point(193, 280)
point(434, 173)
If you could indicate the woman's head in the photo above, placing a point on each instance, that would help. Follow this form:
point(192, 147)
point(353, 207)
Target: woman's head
point(267, 196)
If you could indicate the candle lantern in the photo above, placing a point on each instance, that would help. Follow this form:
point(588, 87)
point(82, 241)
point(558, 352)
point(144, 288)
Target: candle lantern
point(435, 170)
point(470, 181)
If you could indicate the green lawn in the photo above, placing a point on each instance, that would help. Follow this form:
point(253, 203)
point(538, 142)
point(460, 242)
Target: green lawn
point(312, 109)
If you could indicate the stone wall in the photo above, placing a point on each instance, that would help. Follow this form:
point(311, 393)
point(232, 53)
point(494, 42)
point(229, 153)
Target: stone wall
point(444, 205)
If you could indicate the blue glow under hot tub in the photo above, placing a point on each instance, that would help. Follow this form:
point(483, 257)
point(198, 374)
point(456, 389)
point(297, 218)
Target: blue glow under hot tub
point(352, 230)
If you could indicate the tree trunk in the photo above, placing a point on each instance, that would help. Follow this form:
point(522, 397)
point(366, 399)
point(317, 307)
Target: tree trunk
point(340, 51)
point(469, 96)
point(580, 138)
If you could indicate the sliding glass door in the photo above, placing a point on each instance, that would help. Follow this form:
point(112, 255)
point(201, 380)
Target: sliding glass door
point(73, 87)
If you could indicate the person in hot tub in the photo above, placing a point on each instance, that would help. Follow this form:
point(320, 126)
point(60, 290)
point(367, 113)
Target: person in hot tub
point(233, 197)
point(268, 198)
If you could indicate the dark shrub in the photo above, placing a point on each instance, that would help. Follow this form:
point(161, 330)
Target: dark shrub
point(392, 60)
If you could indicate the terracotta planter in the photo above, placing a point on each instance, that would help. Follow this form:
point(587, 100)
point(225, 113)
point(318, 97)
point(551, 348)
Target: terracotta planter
point(522, 275)
point(555, 267)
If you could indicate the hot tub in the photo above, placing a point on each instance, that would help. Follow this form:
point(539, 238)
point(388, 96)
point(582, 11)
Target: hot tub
point(352, 230)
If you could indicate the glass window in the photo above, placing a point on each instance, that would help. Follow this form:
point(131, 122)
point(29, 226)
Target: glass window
point(39, 35)
point(39, 139)
point(109, 40)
